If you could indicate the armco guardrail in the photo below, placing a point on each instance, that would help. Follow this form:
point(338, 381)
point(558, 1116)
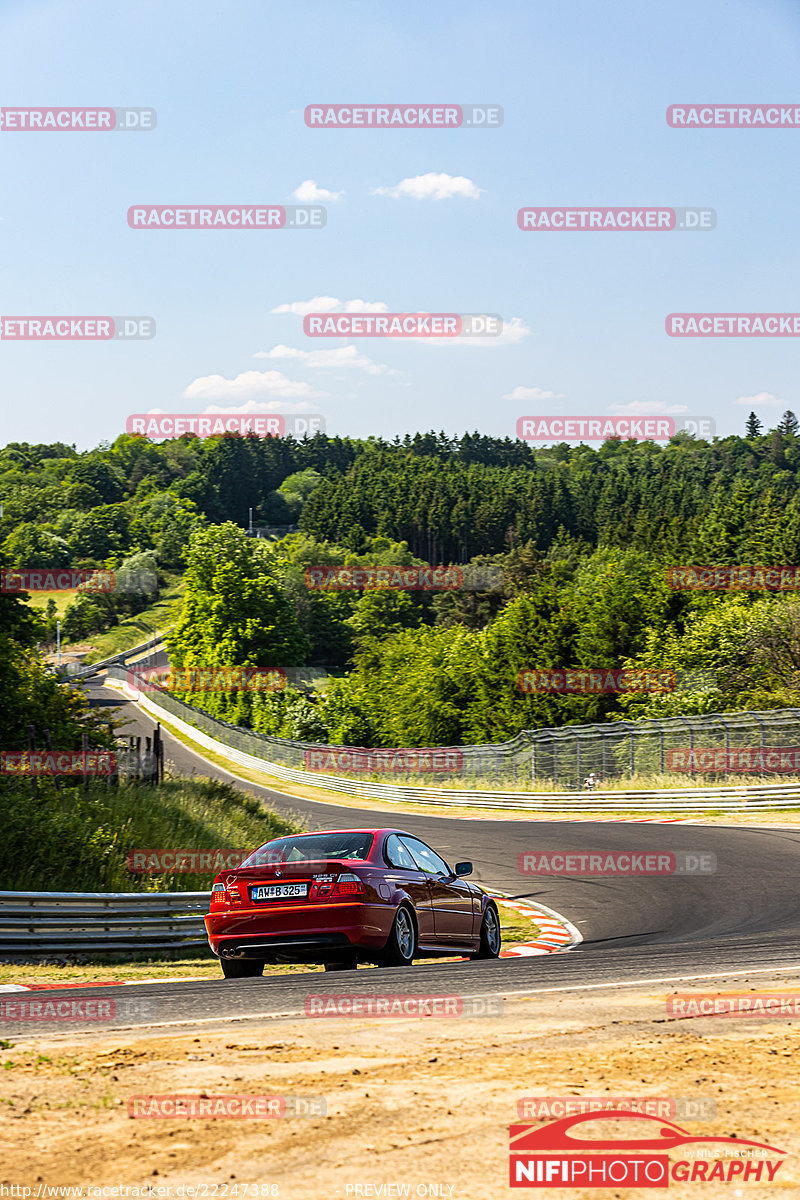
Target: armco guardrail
point(669, 800)
point(562, 757)
point(46, 924)
point(83, 670)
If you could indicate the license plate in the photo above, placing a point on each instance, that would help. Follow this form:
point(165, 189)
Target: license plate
point(279, 891)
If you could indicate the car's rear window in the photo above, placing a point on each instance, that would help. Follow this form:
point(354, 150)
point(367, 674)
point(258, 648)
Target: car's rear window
point(311, 848)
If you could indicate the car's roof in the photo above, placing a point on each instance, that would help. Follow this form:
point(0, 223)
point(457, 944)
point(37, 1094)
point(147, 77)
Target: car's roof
point(324, 832)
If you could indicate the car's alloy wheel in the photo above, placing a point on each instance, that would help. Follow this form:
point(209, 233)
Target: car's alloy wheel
point(241, 968)
point(490, 934)
point(402, 941)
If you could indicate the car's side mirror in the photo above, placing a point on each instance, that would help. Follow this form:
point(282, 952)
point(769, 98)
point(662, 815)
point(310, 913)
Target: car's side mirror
point(464, 868)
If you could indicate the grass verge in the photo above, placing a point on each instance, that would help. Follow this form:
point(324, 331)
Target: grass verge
point(133, 630)
point(65, 841)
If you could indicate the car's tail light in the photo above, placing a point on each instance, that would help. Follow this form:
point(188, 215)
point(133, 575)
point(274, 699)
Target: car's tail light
point(348, 885)
point(225, 893)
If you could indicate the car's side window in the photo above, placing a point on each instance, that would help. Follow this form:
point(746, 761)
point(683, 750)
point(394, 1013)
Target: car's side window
point(397, 855)
point(426, 859)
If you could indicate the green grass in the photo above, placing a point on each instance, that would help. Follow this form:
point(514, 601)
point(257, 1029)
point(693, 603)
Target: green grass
point(133, 630)
point(38, 600)
point(63, 841)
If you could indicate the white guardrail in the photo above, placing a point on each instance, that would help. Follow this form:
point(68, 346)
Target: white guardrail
point(46, 924)
point(657, 802)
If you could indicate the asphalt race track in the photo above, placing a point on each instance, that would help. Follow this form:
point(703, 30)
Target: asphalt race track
point(671, 930)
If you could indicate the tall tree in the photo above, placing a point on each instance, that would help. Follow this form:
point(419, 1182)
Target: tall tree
point(753, 428)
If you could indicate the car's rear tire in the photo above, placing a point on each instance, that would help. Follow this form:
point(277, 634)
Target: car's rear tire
point(241, 968)
point(490, 934)
point(402, 944)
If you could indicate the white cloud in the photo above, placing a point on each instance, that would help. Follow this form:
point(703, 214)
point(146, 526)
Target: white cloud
point(514, 331)
point(345, 356)
point(532, 393)
point(258, 406)
point(330, 304)
point(308, 193)
point(433, 186)
point(247, 385)
point(366, 306)
point(760, 400)
point(643, 408)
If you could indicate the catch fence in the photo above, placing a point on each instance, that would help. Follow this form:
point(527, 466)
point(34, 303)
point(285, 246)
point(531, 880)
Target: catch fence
point(698, 749)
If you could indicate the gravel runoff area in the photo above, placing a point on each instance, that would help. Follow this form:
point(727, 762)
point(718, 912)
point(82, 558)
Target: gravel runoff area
point(418, 1104)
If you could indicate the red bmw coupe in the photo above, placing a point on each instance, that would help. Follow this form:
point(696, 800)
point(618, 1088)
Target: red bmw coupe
point(344, 897)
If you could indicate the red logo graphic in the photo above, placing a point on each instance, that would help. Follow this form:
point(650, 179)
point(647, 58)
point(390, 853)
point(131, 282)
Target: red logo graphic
point(208, 679)
point(55, 579)
point(553, 1156)
point(734, 579)
point(157, 862)
point(440, 758)
point(733, 324)
point(57, 762)
point(748, 760)
point(734, 1004)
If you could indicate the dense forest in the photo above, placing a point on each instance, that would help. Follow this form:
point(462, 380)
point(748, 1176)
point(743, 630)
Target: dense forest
point(583, 538)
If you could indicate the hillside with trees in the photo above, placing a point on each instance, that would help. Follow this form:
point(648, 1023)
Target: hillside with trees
point(583, 538)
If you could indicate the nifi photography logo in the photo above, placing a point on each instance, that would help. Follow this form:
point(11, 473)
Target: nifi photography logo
point(574, 1153)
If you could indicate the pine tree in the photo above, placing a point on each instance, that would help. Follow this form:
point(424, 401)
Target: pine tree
point(753, 428)
point(789, 423)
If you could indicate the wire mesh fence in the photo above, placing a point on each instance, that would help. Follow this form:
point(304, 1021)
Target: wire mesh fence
point(695, 750)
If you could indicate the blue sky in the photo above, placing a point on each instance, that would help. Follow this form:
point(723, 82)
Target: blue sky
point(584, 88)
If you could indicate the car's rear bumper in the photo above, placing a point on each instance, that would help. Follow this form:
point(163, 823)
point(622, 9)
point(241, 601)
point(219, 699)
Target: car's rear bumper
point(299, 932)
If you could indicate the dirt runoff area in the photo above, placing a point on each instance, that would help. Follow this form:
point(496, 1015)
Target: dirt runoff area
point(414, 1107)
